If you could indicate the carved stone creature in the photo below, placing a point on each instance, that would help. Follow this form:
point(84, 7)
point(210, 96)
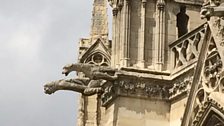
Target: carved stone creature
point(96, 77)
point(212, 8)
point(91, 71)
point(85, 86)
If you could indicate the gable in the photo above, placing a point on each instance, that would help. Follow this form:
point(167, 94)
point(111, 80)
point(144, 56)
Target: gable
point(98, 53)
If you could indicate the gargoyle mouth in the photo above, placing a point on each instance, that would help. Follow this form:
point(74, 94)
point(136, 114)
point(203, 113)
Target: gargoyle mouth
point(67, 69)
point(65, 72)
point(49, 89)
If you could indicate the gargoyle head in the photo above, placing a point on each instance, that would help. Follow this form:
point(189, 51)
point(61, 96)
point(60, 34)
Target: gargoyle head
point(69, 68)
point(49, 88)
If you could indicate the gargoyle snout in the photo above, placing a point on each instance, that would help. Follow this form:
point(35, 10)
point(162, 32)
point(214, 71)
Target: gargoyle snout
point(48, 89)
point(66, 69)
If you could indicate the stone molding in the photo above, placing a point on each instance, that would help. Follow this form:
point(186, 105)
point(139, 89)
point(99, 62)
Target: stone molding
point(135, 87)
point(180, 87)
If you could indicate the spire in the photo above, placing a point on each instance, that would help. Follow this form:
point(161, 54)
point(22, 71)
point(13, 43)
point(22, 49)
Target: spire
point(99, 19)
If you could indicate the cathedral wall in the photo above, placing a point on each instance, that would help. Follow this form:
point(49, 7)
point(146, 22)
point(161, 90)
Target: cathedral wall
point(129, 33)
point(136, 34)
point(134, 112)
point(148, 47)
point(135, 29)
point(150, 32)
point(170, 30)
point(172, 9)
point(91, 108)
point(119, 37)
point(177, 112)
point(109, 116)
point(194, 17)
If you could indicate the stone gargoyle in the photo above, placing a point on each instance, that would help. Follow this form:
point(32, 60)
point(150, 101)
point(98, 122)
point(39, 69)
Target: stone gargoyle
point(86, 87)
point(96, 77)
point(91, 71)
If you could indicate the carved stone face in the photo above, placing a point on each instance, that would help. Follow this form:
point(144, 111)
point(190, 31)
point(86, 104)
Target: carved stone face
point(49, 88)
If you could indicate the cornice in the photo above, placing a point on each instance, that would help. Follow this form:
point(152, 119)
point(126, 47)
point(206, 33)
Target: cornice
point(135, 87)
point(180, 87)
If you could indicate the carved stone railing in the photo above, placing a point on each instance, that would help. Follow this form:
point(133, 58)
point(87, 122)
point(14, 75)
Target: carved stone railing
point(186, 49)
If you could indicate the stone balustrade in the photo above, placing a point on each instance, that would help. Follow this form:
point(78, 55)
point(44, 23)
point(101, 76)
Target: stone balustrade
point(186, 49)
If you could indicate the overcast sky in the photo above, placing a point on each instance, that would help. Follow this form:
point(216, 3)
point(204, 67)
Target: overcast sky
point(37, 38)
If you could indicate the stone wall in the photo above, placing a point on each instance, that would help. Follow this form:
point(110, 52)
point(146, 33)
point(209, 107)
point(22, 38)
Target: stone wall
point(133, 112)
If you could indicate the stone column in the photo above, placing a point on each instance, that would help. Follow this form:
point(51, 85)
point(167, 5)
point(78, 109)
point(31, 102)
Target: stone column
point(141, 43)
point(160, 35)
point(118, 36)
point(114, 42)
point(82, 111)
point(98, 110)
point(126, 34)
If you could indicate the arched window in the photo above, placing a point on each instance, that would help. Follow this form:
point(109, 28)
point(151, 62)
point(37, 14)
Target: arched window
point(182, 21)
point(97, 59)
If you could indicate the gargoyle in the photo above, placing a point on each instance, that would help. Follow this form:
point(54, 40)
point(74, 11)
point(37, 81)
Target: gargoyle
point(91, 71)
point(212, 8)
point(85, 86)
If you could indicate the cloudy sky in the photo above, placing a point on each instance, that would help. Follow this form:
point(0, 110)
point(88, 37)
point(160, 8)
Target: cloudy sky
point(37, 38)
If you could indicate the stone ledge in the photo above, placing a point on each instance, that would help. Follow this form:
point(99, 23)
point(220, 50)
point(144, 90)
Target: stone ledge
point(135, 87)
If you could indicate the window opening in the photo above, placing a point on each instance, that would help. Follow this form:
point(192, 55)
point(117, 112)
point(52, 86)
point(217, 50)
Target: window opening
point(182, 21)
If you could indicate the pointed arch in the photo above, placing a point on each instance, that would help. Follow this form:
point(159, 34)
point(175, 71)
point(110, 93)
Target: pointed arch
point(98, 58)
point(211, 113)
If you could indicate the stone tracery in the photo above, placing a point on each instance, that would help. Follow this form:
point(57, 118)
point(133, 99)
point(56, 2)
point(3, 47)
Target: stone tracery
point(97, 59)
point(187, 49)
